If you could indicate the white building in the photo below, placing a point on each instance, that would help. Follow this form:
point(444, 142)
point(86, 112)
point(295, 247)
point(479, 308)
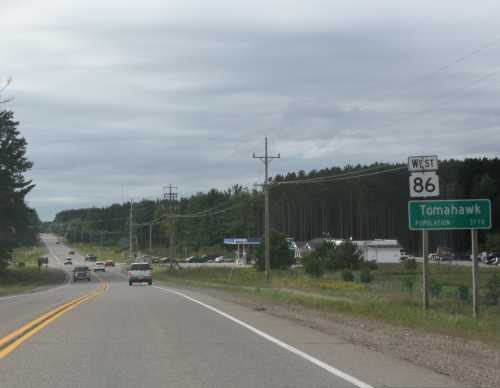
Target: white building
point(380, 251)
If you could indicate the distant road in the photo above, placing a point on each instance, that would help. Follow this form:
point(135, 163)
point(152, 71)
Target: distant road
point(143, 336)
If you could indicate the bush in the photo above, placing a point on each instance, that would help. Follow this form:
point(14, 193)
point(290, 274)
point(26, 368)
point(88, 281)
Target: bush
point(313, 265)
point(365, 275)
point(410, 264)
point(346, 255)
point(347, 275)
point(493, 289)
point(281, 256)
point(435, 287)
point(371, 265)
point(463, 292)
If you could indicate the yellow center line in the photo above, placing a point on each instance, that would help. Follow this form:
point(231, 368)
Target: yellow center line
point(25, 332)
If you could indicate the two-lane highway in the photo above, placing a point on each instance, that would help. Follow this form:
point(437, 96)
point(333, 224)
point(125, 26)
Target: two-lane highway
point(161, 337)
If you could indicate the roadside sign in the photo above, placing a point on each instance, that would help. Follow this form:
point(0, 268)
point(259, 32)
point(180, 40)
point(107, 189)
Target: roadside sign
point(449, 214)
point(422, 163)
point(424, 184)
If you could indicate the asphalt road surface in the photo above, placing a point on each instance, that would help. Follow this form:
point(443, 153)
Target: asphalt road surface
point(158, 336)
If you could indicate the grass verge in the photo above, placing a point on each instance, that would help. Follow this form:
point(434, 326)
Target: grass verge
point(15, 280)
point(448, 314)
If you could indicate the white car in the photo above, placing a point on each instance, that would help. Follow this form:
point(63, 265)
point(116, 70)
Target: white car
point(99, 266)
point(223, 259)
point(68, 261)
point(140, 273)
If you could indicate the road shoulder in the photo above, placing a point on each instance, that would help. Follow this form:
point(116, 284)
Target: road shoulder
point(330, 344)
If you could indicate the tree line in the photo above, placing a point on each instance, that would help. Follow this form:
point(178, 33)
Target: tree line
point(354, 204)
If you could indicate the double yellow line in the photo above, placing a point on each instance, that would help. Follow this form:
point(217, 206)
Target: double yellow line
point(15, 339)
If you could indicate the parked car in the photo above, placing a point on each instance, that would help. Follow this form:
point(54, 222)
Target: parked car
point(493, 258)
point(155, 260)
point(140, 273)
point(99, 266)
point(194, 259)
point(90, 257)
point(68, 261)
point(109, 263)
point(81, 272)
point(224, 259)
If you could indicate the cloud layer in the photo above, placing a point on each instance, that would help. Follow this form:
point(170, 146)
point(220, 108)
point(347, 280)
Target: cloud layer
point(184, 92)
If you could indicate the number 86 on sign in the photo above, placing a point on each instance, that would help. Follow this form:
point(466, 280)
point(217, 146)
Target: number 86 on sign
point(424, 184)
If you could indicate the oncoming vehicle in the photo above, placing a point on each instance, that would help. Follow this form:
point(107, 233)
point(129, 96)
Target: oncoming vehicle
point(90, 257)
point(81, 272)
point(99, 266)
point(140, 273)
point(68, 261)
point(109, 263)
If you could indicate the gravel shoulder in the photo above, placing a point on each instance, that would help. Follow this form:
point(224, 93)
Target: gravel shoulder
point(474, 363)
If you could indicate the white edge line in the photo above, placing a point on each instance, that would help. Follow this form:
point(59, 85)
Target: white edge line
point(290, 348)
point(66, 284)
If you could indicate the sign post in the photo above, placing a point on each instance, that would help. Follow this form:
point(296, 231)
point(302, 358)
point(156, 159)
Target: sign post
point(472, 214)
point(424, 183)
point(475, 274)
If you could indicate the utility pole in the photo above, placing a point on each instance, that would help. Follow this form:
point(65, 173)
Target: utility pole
point(150, 237)
point(170, 195)
point(130, 230)
point(266, 159)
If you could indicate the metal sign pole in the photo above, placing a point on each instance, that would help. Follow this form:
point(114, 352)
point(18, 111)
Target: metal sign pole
point(475, 274)
point(425, 269)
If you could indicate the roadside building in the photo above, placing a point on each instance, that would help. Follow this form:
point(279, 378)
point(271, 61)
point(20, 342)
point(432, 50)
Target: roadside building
point(380, 250)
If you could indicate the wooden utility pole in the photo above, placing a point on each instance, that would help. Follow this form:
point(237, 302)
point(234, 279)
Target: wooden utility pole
point(266, 159)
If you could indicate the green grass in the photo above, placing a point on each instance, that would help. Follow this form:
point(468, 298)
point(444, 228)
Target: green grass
point(385, 299)
point(14, 280)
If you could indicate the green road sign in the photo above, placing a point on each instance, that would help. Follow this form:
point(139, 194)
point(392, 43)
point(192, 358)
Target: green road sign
point(450, 214)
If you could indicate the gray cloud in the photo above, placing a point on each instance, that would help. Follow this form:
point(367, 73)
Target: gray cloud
point(184, 91)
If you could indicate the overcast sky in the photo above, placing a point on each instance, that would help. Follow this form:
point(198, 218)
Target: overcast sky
point(140, 94)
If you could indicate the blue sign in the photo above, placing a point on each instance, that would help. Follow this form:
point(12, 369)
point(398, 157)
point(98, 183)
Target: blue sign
point(243, 241)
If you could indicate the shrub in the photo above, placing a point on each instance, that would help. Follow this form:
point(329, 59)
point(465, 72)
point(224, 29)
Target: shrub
point(365, 275)
point(281, 256)
point(493, 290)
point(463, 292)
point(342, 256)
point(371, 265)
point(347, 275)
point(313, 265)
point(410, 264)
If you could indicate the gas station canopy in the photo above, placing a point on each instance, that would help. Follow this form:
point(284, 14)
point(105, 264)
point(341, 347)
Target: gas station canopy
point(243, 241)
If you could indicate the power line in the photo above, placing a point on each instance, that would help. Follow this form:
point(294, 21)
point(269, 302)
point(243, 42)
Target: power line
point(335, 178)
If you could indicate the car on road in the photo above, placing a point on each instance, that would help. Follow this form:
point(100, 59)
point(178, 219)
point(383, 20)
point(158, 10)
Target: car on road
point(194, 259)
point(99, 266)
point(57, 242)
point(81, 272)
point(71, 252)
point(90, 257)
point(68, 261)
point(140, 273)
point(223, 259)
point(109, 263)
